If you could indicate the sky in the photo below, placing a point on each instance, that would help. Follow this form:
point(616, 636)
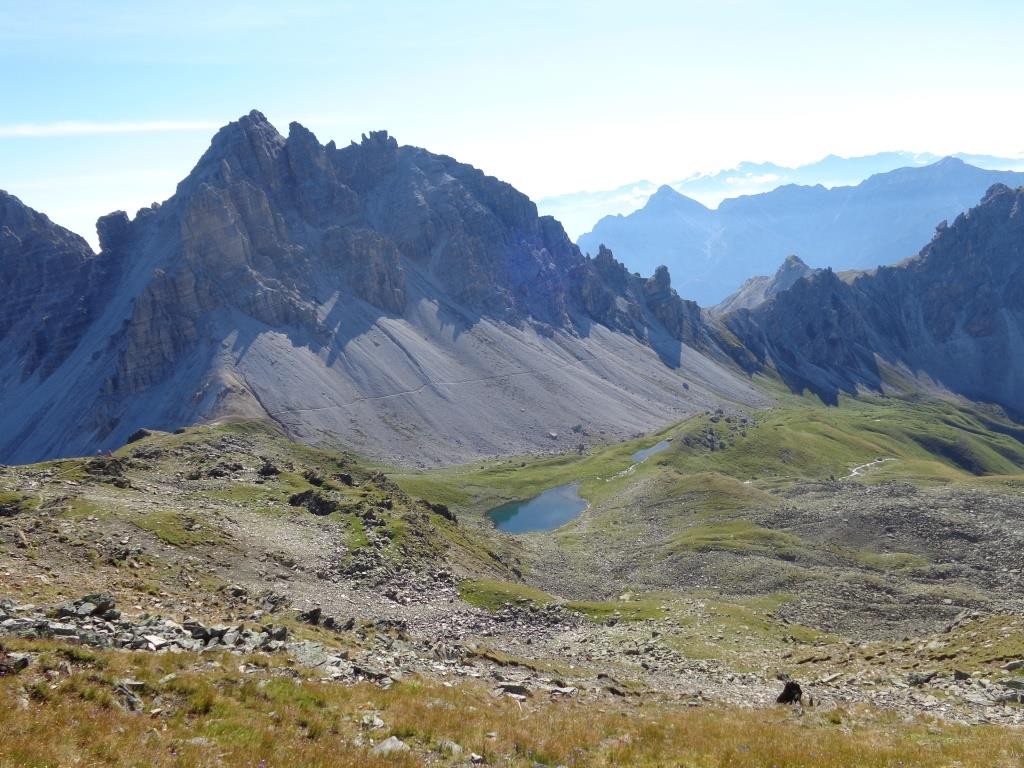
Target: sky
point(107, 105)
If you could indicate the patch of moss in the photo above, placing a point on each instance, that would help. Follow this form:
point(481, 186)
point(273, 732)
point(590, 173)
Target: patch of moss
point(14, 503)
point(178, 529)
point(78, 508)
point(740, 536)
point(738, 629)
point(632, 610)
point(988, 642)
point(244, 493)
point(889, 561)
point(495, 595)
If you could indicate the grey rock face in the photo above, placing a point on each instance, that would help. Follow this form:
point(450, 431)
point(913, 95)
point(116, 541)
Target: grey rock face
point(374, 295)
point(952, 315)
point(47, 276)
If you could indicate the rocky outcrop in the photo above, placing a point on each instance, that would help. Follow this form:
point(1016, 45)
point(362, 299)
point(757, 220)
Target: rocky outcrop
point(681, 318)
point(953, 315)
point(628, 302)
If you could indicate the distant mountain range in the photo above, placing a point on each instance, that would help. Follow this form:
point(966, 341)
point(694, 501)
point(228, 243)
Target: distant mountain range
point(710, 252)
point(579, 211)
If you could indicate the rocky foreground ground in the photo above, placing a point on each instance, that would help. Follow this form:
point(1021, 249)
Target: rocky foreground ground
point(230, 551)
point(527, 651)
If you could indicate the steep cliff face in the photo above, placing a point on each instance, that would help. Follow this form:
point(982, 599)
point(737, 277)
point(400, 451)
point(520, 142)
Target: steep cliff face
point(374, 295)
point(954, 314)
point(266, 223)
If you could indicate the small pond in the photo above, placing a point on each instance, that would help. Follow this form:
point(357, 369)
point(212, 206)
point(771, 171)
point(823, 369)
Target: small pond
point(556, 506)
point(646, 453)
point(549, 510)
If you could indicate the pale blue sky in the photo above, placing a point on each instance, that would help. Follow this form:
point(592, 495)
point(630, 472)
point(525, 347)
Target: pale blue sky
point(108, 104)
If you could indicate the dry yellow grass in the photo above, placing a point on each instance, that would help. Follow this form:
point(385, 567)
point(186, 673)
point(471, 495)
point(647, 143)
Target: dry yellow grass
point(211, 714)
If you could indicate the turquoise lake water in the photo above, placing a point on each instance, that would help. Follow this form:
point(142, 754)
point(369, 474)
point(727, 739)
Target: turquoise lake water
point(549, 510)
point(554, 507)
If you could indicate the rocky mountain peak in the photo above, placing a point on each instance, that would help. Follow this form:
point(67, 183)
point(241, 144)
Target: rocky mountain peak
point(246, 147)
point(365, 163)
point(984, 247)
point(113, 230)
point(20, 223)
point(996, 190)
point(47, 275)
point(882, 220)
point(375, 293)
point(378, 140)
point(790, 263)
point(254, 127)
point(757, 290)
point(791, 270)
point(301, 138)
point(668, 200)
point(604, 256)
point(661, 278)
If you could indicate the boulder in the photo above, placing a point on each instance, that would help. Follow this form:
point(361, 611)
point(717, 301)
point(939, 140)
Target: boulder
point(791, 693)
point(390, 746)
point(138, 434)
point(268, 469)
point(450, 748)
point(314, 501)
point(13, 663)
point(917, 679)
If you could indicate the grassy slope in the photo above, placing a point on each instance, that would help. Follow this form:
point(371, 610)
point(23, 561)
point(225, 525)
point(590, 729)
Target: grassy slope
point(719, 468)
point(206, 711)
point(170, 496)
point(489, 483)
point(212, 714)
point(932, 442)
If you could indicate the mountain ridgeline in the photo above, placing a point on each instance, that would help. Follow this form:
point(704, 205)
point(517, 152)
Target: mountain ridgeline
point(952, 317)
point(711, 252)
point(579, 210)
point(411, 308)
point(373, 295)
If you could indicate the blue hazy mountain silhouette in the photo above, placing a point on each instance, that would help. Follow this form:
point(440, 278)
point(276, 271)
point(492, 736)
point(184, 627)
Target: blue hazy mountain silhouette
point(711, 252)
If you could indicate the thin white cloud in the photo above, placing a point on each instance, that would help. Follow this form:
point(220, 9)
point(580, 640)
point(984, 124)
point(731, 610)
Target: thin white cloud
point(88, 128)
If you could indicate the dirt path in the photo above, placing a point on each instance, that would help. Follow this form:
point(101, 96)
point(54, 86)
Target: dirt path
point(858, 471)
